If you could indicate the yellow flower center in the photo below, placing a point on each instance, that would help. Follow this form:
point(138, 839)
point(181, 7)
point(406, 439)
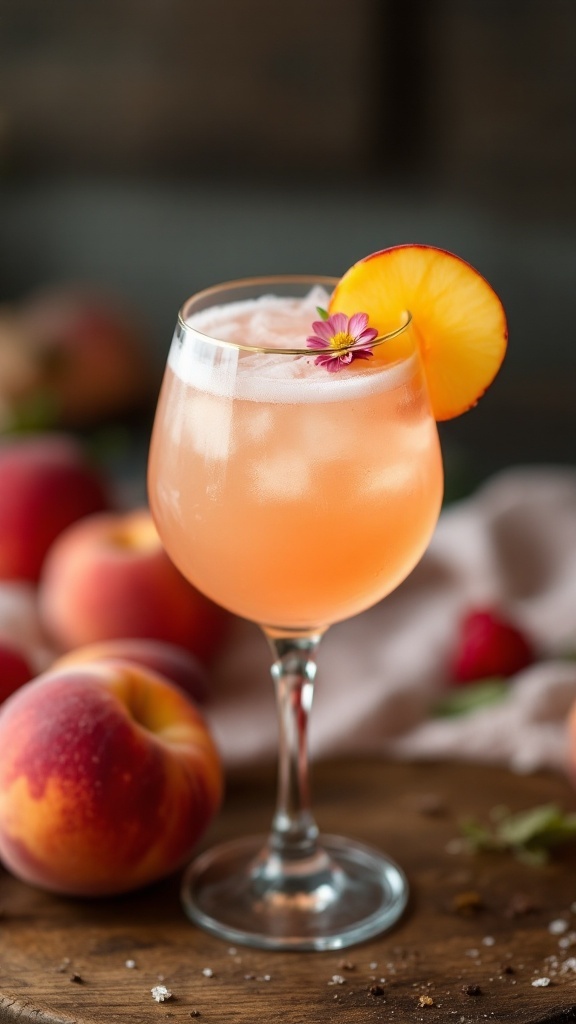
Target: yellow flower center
point(341, 340)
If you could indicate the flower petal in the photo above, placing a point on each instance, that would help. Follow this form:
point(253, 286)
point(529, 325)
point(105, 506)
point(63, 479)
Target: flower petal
point(313, 342)
point(362, 353)
point(331, 363)
point(323, 329)
point(358, 324)
point(338, 323)
point(368, 336)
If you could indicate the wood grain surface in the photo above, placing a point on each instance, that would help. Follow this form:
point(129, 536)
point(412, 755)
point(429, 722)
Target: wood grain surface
point(475, 937)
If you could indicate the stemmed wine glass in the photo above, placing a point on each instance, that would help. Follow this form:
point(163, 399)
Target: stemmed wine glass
point(295, 497)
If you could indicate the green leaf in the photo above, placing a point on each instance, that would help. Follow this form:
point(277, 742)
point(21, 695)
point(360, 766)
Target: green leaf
point(479, 837)
point(519, 829)
point(469, 698)
point(528, 835)
point(322, 313)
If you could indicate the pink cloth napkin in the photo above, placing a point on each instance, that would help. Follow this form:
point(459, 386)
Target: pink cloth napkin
point(512, 546)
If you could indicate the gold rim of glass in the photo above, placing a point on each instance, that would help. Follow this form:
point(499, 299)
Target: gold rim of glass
point(278, 279)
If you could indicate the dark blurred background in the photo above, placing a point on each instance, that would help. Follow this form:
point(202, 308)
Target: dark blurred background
point(152, 147)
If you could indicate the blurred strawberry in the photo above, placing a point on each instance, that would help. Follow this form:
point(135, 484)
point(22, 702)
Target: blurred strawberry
point(489, 645)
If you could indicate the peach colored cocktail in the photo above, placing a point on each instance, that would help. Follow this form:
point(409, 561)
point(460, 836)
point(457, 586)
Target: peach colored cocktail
point(292, 496)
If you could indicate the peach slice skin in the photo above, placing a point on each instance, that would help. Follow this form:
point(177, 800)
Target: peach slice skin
point(457, 318)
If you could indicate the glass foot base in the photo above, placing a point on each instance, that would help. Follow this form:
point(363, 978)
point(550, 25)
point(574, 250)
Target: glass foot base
point(245, 893)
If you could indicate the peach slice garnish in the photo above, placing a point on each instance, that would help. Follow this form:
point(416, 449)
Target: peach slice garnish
point(457, 318)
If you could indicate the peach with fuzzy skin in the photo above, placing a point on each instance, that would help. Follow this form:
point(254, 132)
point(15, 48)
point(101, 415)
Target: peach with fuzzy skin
point(46, 484)
point(109, 577)
point(108, 778)
point(87, 354)
point(174, 663)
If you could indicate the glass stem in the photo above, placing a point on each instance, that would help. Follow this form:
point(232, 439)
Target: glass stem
point(294, 831)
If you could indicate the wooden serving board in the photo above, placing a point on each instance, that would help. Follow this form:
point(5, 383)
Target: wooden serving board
point(475, 937)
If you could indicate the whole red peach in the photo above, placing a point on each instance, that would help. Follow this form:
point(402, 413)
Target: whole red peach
point(46, 483)
point(174, 663)
point(90, 353)
point(108, 778)
point(108, 577)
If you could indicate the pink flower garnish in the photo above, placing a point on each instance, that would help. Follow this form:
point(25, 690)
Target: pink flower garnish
point(348, 338)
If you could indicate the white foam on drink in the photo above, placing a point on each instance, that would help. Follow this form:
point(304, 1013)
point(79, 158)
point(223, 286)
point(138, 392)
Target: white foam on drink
point(270, 322)
point(266, 322)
